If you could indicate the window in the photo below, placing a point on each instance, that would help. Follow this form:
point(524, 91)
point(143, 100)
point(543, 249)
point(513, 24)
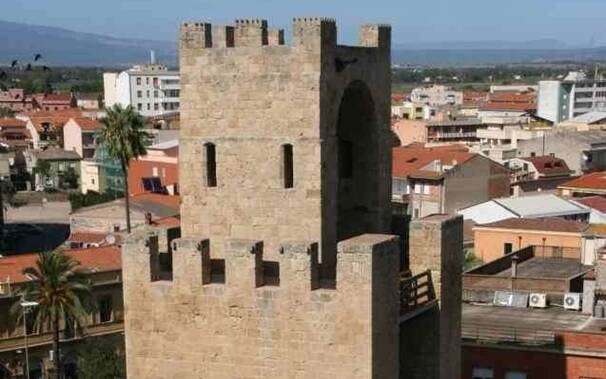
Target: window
point(139, 106)
point(155, 80)
point(482, 373)
point(138, 81)
point(139, 94)
point(92, 180)
point(217, 270)
point(156, 106)
point(147, 82)
point(418, 187)
point(507, 248)
point(152, 184)
point(426, 189)
point(147, 93)
point(211, 165)
point(155, 171)
point(156, 93)
point(287, 166)
point(515, 375)
point(106, 308)
point(271, 273)
point(416, 213)
point(345, 159)
point(148, 106)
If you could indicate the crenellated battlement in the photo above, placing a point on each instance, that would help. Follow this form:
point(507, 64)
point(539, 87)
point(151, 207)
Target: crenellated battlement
point(307, 31)
point(295, 266)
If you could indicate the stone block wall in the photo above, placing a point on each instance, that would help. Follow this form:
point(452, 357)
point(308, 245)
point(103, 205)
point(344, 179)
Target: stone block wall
point(248, 94)
point(436, 243)
point(191, 327)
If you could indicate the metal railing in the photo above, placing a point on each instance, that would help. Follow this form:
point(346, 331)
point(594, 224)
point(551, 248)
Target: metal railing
point(504, 334)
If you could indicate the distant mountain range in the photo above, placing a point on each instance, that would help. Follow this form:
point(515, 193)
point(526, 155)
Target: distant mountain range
point(65, 47)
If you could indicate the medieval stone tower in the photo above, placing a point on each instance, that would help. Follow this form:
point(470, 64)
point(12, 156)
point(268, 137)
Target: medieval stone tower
point(283, 268)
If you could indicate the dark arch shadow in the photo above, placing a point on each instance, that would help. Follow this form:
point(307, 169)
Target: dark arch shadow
point(358, 162)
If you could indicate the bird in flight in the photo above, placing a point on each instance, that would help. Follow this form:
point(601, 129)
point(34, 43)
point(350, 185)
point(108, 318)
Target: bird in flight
point(37, 57)
point(14, 63)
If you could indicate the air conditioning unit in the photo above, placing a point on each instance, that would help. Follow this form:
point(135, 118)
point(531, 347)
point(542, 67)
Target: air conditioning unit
point(572, 300)
point(503, 298)
point(538, 300)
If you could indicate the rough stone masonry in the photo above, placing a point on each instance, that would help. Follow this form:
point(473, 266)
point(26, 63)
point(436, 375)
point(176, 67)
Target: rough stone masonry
point(284, 267)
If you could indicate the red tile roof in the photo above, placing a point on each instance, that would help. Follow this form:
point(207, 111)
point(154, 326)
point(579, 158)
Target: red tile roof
point(596, 202)
point(87, 237)
point(595, 180)
point(549, 165)
point(87, 123)
point(171, 221)
point(550, 224)
point(61, 97)
point(64, 113)
point(412, 158)
point(508, 106)
point(11, 123)
point(173, 201)
point(98, 259)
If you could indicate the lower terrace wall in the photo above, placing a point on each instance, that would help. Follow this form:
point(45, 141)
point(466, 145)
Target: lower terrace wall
point(192, 328)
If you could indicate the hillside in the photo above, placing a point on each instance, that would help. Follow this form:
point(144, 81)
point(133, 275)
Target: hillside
point(68, 48)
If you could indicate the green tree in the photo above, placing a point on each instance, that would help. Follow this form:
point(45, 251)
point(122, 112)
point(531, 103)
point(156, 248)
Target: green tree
point(43, 169)
point(124, 138)
point(101, 358)
point(62, 291)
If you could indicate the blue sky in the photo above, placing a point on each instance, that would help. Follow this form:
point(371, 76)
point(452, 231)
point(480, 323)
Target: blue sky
point(571, 21)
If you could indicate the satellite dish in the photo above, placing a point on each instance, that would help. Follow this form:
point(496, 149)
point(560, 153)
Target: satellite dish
point(110, 239)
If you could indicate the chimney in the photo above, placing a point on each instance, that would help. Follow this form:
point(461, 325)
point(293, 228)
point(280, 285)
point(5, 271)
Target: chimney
point(514, 266)
point(148, 218)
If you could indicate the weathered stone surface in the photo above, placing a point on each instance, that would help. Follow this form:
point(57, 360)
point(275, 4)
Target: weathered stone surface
point(248, 94)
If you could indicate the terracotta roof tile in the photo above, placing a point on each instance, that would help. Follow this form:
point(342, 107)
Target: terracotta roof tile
point(12, 123)
point(596, 202)
point(412, 158)
point(595, 180)
point(508, 106)
point(549, 165)
point(87, 123)
point(552, 224)
point(99, 259)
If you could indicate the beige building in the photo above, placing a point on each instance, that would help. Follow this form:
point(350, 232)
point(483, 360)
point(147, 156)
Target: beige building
point(287, 269)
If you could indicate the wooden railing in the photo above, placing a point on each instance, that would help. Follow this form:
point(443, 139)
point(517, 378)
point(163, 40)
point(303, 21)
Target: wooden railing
point(416, 291)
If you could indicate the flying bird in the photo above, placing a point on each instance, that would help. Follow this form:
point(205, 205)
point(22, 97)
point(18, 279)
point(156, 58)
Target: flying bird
point(14, 63)
point(37, 56)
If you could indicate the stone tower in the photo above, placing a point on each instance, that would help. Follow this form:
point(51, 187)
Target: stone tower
point(283, 268)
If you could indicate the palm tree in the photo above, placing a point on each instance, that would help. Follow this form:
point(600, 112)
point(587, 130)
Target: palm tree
point(62, 291)
point(123, 138)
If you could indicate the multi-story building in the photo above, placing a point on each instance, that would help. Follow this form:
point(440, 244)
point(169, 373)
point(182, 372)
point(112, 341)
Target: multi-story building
point(586, 185)
point(583, 151)
point(16, 100)
point(152, 89)
point(436, 96)
point(443, 179)
point(576, 94)
point(156, 171)
point(103, 266)
point(537, 167)
point(460, 130)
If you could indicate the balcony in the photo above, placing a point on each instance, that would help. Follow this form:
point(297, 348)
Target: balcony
point(169, 85)
point(16, 342)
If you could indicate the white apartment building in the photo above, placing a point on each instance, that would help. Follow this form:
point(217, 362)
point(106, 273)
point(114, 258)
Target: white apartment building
point(576, 94)
point(151, 89)
point(436, 96)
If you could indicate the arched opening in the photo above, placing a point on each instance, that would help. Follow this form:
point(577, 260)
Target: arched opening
point(357, 155)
